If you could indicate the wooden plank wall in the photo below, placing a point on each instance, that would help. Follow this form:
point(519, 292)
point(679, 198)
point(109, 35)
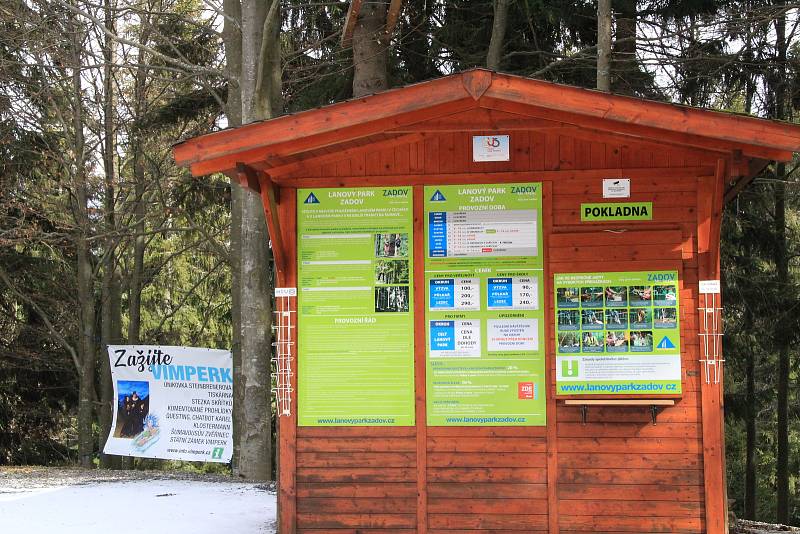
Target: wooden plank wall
point(619, 472)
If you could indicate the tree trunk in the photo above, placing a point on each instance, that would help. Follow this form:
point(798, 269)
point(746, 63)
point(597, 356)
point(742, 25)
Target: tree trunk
point(415, 52)
point(499, 25)
point(232, 38)
point(625, 64)
point(782, 337)
point(110, 292)
point(604, 45)
point(80, 207)
point(370, 59)
point(259, 86)
point(750, 481)
point(782, 340)
point(751, 413)
point(140, 187)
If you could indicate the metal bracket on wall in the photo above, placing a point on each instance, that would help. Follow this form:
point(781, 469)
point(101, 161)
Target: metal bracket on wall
point(284, 352)
point(654, 404)
point(711, 337)
point(654, 413)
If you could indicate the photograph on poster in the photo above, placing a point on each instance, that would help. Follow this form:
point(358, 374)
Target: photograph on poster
point(641, 295)
point(391, 245)
point(568, 297)
point(569, 342)
point(568, 320)
point(665, 295)
point(391, 272)
point(133, 405)
point(642, 341)
point(616, 296)
point(641, 318)
point(592, 297)
point(592, 319)
point(616, 341)
point(592, 342)
point(666, 317)
point(391, 299)
point(616, 318)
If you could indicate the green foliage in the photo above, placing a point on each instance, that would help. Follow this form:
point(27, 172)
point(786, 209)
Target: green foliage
point(757, 312)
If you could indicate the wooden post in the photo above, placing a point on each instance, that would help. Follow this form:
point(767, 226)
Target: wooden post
point(287, 425)
point(269, 198)
point(550, 365)
point(420, 360)
point(709, 215)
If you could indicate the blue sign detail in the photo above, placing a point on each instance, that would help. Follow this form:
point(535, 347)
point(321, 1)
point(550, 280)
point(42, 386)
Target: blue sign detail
point(665, 343)
point(442, 293)
point(500, 293)
point(443, 335)
point(311, 199)
point(438, 197)
point(437, 234)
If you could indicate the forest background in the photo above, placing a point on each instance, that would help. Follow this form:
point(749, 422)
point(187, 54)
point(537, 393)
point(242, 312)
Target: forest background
point(104, 240)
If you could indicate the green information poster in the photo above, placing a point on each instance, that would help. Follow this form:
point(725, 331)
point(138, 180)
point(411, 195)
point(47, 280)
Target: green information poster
point(618, 333)
point(355, 305)
point(483, 305)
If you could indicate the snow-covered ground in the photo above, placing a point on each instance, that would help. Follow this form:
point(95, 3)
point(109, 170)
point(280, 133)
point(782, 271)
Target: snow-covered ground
point(43, 501)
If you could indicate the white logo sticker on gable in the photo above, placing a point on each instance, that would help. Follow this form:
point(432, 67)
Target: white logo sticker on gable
point(490, 148)
point(616, 187)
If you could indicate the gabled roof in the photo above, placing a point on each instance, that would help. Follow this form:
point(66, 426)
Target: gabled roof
point(387, 117)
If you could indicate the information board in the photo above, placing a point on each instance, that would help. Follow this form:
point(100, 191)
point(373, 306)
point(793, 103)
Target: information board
point(618, 333)
point(355, 305)
point(483, 305)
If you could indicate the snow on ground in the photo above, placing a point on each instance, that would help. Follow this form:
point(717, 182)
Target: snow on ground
point(44, 501)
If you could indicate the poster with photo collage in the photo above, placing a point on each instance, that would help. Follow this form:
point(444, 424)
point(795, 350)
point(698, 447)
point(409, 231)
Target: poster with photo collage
point(617, 333)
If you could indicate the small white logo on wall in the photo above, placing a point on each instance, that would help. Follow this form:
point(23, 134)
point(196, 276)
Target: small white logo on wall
point(616, 187)
point(490, 148)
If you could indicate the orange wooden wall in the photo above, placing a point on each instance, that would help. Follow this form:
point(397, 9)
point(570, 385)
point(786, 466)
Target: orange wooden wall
point(619, 472)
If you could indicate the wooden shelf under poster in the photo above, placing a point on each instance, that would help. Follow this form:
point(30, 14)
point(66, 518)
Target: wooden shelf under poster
point(653, 403)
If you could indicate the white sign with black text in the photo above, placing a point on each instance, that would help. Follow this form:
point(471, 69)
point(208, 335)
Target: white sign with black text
point(709, 287)
point(616, 188)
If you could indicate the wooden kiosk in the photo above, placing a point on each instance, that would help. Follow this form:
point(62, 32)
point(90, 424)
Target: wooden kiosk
point(544, 350)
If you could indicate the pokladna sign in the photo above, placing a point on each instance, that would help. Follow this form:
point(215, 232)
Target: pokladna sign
point(483, 306)
point(617, 211)
point(356, 345)
point(618, 333)
point(173, 403)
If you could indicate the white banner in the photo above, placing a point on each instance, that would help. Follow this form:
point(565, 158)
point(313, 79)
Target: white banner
point(174, 403)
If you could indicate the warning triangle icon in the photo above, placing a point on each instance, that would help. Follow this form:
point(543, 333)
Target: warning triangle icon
point(665, 343)
point(438, 197)
point(311, 199)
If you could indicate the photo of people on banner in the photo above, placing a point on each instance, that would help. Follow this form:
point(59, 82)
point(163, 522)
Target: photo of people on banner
point(133, 404)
